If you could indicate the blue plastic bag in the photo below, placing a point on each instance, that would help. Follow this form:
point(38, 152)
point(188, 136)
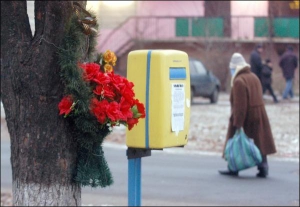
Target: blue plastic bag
point(241, 152)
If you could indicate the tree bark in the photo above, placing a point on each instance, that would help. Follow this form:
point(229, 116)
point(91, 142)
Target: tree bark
point(43, 153)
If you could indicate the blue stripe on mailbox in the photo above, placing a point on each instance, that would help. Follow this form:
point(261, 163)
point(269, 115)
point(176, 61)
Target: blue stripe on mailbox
point(177, 73)
point(147, 99)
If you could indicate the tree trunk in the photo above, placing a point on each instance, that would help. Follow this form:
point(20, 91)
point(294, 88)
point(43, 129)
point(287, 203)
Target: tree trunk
point(43, 152)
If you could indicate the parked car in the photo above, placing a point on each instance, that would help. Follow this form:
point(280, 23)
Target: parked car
point(203, 82)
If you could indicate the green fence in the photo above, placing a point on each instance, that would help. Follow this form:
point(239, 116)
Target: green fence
point(261, 27)
point(200, 27)
point(214, 27)
point(283, 27)
point(207, 27)
point(182, 27)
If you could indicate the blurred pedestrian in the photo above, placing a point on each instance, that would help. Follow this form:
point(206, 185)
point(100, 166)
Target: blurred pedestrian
point(266, 79)
point(248, 111)
point(288, 63)
point(256, 60)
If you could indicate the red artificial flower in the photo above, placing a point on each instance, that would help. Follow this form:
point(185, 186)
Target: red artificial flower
point(117, 81)
point(98, 90)
point(113, 99)
point(94, 101)
point(108, 92)
point(113, 111)
point(141, 108)
point(101, 78)
point(99, 108)
point(131, 122)
point(104, 91)
point(90, 70)
point(129, 84)
point(128, 94)
point(127, 91)
point(65, 105)
point(125, 109)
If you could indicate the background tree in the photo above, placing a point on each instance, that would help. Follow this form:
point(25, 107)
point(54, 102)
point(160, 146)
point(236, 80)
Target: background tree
point(43, 153)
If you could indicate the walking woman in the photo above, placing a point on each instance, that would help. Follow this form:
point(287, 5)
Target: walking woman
point(248, 111)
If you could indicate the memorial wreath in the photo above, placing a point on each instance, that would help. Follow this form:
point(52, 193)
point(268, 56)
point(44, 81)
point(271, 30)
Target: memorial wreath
point(96, 99)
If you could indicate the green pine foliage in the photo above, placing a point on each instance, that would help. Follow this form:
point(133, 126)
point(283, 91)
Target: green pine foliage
point(92, 169)
point(96, 168)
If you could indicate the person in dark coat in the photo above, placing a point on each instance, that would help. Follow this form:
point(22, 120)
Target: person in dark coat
point(266, 79)
point(256, 61)
point(288, 63)
point(248, 111)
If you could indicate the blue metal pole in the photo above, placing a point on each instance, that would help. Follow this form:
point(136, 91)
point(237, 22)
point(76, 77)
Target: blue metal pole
point(138, 181)
point(134, 182)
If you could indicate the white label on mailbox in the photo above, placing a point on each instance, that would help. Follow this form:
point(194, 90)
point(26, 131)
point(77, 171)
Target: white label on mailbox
point(178, 98)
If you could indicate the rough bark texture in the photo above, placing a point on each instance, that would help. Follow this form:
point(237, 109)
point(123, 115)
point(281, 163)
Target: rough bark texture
point(43, 153)
point(41, 195)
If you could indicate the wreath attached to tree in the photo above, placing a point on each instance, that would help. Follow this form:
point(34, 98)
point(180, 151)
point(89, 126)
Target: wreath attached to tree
point(95, 98)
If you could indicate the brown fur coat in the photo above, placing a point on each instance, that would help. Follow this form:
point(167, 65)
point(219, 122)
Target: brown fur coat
point(248, 111)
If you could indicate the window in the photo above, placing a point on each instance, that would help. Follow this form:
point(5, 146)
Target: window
point(192, 68)
point(200, 68)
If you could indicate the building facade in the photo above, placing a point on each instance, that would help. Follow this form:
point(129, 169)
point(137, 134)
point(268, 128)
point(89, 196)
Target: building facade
point(208, 30)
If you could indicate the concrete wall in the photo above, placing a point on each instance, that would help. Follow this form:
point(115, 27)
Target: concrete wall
point(170, 8)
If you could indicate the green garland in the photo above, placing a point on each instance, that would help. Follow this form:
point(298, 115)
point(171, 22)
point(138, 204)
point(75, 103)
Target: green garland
point(92, 169)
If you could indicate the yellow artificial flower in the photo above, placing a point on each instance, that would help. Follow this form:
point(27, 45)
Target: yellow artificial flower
point(108, 56)
point(108, 68)
point(114, 59)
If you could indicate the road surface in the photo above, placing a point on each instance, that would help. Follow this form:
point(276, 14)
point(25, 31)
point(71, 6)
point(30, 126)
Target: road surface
point(173, 177)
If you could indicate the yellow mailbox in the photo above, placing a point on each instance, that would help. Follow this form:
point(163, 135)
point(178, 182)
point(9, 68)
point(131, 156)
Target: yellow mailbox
point(162, 83)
